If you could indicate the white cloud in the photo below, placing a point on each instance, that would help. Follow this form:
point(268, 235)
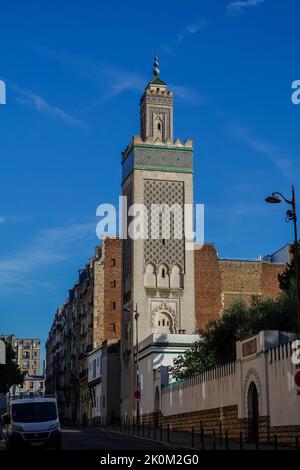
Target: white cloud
point(52, 246)
point(112, 80)
point(190, 29)
point(270, 151)
point(238, 7)
point(28, 98)
point(188, 94)
point(3, 219)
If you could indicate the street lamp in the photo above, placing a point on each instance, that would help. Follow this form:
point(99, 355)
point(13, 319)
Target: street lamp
point(291, 214)
point(136, 315)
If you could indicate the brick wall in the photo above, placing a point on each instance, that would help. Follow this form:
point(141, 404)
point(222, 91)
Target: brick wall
point(207, 285)
point(270, 283)
point(218, 282)
point(112, 288)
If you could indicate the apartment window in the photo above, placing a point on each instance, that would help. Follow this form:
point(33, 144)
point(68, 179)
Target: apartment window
point(41, 385)
point(113, 284)
point(31, 385)
point(113, 262)
point(94, 368)
point(113, 305)
point(112, 327)
point(25, 364)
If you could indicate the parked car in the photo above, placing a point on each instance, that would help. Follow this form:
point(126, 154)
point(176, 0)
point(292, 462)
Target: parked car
point(32, 422)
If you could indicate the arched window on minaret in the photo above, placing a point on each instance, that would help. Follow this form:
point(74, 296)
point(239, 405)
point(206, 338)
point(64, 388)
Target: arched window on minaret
point(158, 131)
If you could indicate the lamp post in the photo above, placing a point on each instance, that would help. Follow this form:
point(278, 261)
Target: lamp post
point(291, 214)
point(136, 315)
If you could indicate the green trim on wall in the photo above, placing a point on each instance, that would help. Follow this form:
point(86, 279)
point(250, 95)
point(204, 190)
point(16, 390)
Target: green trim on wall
point(164, 147)
point(163, 168)
point(157, 147)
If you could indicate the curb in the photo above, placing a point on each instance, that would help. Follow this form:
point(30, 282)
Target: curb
point(148, 439)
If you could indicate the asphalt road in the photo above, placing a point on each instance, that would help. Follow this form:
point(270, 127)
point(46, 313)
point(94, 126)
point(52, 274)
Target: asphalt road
point(96, 439)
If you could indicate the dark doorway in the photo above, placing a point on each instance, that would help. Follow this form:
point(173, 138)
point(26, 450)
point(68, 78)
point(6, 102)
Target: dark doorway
point(156, 407)
point(253, 412)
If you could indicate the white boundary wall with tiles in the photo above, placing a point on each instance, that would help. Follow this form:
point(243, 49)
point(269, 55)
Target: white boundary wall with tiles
point(264, 360)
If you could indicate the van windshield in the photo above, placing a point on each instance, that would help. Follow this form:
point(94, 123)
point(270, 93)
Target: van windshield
point(34, 412)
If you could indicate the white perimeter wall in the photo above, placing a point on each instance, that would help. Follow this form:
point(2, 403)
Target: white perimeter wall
point(214, 389)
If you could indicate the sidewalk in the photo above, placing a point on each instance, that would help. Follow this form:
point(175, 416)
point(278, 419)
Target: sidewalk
point(186, 440)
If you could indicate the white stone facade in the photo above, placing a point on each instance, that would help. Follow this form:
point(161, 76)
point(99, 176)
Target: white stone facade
point(158, 274)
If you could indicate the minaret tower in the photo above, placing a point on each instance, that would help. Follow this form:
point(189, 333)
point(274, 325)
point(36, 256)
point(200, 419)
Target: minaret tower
point(158, 274)
point(156, 114)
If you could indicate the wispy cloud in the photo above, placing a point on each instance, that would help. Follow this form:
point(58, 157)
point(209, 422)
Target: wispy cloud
point(238, 7)
point(190, 29)
point(189, 95)
point(187, 31)
point(50, 247)
point(112, 80)
point(270, 151)
point(12, 218)
point(40, 104)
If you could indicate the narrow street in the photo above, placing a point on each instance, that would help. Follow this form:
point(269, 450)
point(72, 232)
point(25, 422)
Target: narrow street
point(96, 439)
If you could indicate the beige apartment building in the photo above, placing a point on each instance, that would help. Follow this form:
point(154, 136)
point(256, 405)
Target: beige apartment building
point(90, 315)
point(28, 353)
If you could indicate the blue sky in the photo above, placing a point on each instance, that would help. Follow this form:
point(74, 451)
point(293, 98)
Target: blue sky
point(74, 74)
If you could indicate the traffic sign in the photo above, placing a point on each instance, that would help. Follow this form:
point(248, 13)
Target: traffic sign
point(137, 394)
point(297, 378)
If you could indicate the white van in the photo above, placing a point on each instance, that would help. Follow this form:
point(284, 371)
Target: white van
point(33, 422)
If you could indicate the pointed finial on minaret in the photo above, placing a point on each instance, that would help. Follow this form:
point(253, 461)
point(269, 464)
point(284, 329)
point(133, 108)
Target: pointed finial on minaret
point(156, 64)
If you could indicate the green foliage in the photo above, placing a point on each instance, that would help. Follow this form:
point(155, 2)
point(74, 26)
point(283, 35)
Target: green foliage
point(288, 278)
point(216, 344)
point(10, 373)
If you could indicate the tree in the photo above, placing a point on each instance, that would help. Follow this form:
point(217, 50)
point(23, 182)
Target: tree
point(288, 278)
point(216, 344)
point(10, 373)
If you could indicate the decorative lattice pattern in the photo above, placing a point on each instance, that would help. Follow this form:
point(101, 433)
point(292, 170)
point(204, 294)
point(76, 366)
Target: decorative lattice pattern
point(161, 250)
point(166, 100)
point(163, 158)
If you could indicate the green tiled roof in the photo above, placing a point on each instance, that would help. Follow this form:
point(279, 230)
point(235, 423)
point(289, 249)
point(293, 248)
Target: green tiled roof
point(157, 81)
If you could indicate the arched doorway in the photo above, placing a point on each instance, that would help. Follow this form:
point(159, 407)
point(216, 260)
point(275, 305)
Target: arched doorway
point(253, 412)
